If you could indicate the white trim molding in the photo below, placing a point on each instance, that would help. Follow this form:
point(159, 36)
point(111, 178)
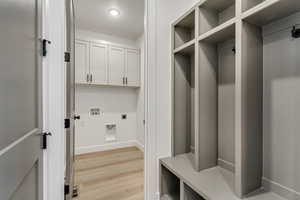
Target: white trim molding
point(279, 189)
point(54, 102)
point(140, 146)
point(107, 147)
point(226, 165)
point(151, 163)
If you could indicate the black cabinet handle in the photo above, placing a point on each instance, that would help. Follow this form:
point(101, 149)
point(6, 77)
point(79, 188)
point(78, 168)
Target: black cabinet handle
point(77, 117)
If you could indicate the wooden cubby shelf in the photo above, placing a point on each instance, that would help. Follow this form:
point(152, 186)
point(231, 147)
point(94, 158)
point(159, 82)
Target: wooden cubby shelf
point(170, 185)
point(189, 193)
point(249, 4)
point(220, 33)
point(186, 48)
point(184, 30)
point(214, 13)
point(225, 69)
point(211, 184)
point(216, 96)
point(269, 10)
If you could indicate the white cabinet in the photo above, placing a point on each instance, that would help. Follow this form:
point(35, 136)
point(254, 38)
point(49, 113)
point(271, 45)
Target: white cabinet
point(81, 62)
point(98, 64)
point(103, 64)
point(132, 67)
point(124, 66)
point(116, 66)
point(91, 63)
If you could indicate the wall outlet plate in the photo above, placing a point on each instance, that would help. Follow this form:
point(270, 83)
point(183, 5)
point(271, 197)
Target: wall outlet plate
point(94, 111)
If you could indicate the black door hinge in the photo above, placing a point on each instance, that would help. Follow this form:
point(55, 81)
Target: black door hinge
point(75, 192)
point(67, 57)
point(44, 46)
point(295, 32)
point(67, 123)
point(233, 50)
point(67, 189)
point(45, 140)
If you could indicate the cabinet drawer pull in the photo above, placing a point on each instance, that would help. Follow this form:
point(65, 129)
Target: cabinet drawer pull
point(87, 78)
point(91, 79)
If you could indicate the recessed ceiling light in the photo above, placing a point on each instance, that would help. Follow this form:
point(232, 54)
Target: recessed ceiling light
point(114, 12)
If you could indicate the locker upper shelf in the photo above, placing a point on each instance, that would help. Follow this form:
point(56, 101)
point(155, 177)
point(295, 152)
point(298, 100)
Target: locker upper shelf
point(269, 10)
point(220, 33)
point(186, 49)
point(184, 29)
point(218, 5)
point(214, 13)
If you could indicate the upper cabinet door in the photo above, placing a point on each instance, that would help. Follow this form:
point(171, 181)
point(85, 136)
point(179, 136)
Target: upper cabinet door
point(116, 65)
point(81, 61)
point(133, 67)
point(98, 64)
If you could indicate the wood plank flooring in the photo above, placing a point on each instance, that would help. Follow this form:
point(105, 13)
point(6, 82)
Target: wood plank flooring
point(110, 175)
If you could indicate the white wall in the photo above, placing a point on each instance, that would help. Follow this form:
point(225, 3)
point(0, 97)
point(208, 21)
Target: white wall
point(113, 102)
point(104, 37)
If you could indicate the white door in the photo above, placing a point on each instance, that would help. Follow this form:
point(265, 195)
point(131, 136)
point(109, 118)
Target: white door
point(21, 155)
point(116, 66)
point(132, 67)
point(82, 72)
point(98, 64)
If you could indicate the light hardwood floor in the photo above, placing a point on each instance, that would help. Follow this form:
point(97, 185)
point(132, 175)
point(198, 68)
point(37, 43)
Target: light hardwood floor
point(110, 175)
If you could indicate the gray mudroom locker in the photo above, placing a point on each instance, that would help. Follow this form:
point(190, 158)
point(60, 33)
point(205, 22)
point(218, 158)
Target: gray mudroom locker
point(235, 99)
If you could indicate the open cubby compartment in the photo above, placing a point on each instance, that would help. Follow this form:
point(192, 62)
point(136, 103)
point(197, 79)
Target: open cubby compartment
point(184, 29)
point(248, 4)
point(184, 101)
point(217, 102)
point(217, 99)
point(169, 185)
point(213, 183)
point(214, 13)
point(262, 12)
point(269, 56)
point(189, 194)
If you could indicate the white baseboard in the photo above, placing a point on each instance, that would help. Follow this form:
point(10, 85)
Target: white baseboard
point(106, 147)
point(226, 165)
point(279, 189)
point(157, 196)
point(192, 149)
point(139, 146)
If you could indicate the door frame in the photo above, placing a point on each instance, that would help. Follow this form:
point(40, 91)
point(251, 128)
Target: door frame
point(151, 159)
point(55, 108)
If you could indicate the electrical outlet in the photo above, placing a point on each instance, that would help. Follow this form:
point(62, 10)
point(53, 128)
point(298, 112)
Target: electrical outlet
point(94, 111)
